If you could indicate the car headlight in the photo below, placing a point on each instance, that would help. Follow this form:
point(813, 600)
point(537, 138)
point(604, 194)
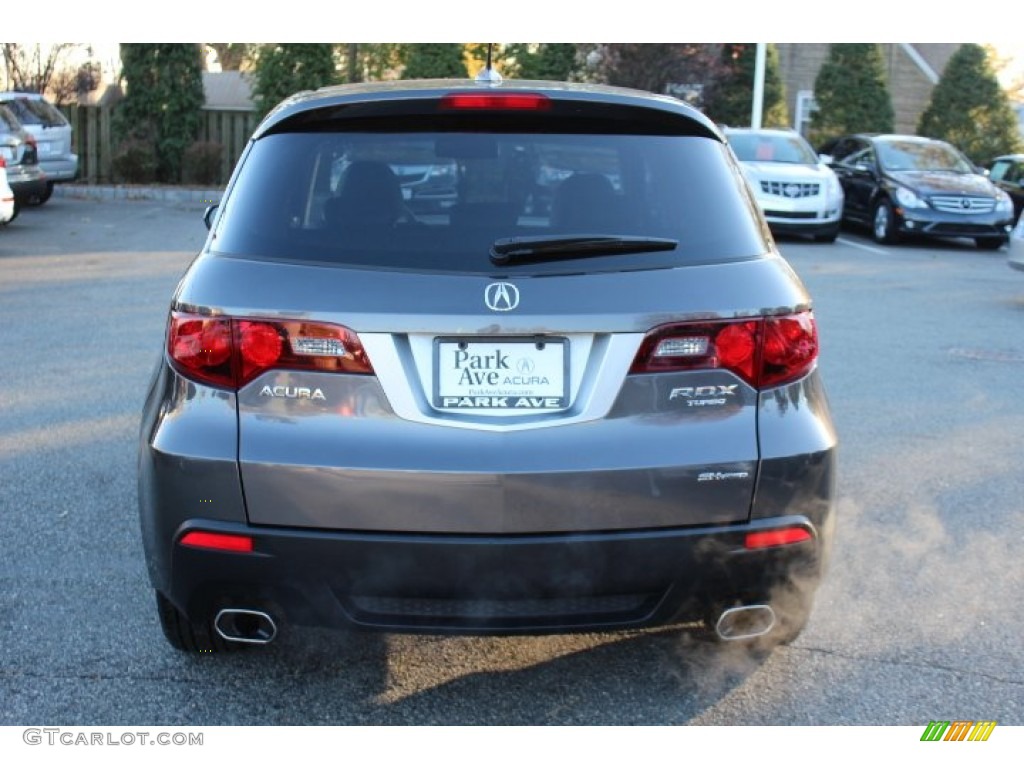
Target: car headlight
point(908, 199)
point(1003, 202)
point(833, 189)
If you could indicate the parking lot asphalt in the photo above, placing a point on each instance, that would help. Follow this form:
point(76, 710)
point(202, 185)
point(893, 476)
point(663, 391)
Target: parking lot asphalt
point(918, 619)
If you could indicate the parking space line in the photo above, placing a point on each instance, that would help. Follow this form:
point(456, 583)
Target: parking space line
point(855, 244)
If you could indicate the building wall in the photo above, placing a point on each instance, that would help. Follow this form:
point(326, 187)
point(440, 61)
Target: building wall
point(909, 86)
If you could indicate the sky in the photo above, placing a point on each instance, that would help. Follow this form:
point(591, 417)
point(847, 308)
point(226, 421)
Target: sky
point(107, 22)
point(448, 20)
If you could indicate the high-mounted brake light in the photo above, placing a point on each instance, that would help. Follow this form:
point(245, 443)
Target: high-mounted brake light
point(764, 352)
point(226, 542)
point(229, 352)
point(496, 101)
point(778, 538)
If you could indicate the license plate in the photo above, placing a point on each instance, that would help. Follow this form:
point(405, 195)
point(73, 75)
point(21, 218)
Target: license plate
point(44, 147)
point(514, 374)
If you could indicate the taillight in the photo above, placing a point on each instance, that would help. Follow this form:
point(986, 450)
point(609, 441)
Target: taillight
point(764, 352)
point(201, 348)
point(3, 163)
point(226, 542)
point(777, 538)
point(498, 101)
point(231, 352)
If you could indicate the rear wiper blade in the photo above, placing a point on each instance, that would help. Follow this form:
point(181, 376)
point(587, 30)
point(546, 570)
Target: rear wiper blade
point(526, 250)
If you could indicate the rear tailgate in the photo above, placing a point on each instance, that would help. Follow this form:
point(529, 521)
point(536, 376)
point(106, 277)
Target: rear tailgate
point(373, 453)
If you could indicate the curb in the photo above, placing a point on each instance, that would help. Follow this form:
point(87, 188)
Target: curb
point(164, 194)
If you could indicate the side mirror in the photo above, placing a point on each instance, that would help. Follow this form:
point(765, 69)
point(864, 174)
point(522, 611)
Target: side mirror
point(209, 215)
point(826, 159)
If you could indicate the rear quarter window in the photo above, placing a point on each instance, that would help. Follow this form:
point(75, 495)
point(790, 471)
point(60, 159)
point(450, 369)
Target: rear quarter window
point(436, 201)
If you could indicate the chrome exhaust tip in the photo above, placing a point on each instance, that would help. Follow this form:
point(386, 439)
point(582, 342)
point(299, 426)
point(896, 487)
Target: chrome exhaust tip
point(745, 622)
point(240, 625)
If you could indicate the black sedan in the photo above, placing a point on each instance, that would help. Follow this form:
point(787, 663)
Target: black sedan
point(900, 185)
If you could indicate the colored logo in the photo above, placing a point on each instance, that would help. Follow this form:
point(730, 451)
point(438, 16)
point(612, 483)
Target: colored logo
point(958, 730)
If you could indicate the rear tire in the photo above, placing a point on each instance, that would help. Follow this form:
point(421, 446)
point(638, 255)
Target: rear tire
point(188, 636)
point(990, 243)
point(36, 200)
point(883, 223)
point(791, 619)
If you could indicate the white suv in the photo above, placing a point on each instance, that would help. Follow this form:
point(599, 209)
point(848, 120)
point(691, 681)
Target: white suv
point(797, 192)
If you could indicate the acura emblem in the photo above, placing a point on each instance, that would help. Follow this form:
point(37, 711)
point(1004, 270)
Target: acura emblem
point(501, 297)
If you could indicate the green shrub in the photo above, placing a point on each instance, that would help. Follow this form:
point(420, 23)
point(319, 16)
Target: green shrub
point(202, 163)
point(134, 162)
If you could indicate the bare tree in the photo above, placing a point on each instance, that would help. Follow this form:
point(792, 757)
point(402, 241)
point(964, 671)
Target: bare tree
point(32, 67)
point(235, 56)
point(71, 85)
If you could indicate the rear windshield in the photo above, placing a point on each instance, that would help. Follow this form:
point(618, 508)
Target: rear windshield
point(438, 201)
point(36, 112)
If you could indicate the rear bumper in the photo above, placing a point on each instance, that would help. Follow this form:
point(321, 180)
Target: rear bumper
point(489, 584)
point(61, 168)
point(26, 184)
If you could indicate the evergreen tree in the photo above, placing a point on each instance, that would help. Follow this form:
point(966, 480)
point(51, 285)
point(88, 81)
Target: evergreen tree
point(732, 98)
point(655, 67)
point(427, 60)
point(970, 110)
point(851, 93)
point(546, 61)
point(368, 61)
point(286, 68)
point(163, 98)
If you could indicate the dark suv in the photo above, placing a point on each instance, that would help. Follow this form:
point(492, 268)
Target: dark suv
point(904, 185)
point(490, 416)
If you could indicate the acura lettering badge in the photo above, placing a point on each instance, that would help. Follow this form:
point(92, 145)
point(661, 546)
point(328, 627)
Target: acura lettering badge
point(501, 297)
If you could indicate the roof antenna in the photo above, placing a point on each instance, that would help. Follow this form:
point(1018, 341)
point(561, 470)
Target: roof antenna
point(489, 75)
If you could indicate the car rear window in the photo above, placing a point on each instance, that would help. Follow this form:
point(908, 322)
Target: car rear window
point(437, 201)
point(36, 112)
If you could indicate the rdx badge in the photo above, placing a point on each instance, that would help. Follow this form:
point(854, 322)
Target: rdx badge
point(712, 394)
point(293, 393)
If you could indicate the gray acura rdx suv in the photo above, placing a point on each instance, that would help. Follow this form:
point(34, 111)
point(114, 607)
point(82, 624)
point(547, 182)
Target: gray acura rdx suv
point(492, 417)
